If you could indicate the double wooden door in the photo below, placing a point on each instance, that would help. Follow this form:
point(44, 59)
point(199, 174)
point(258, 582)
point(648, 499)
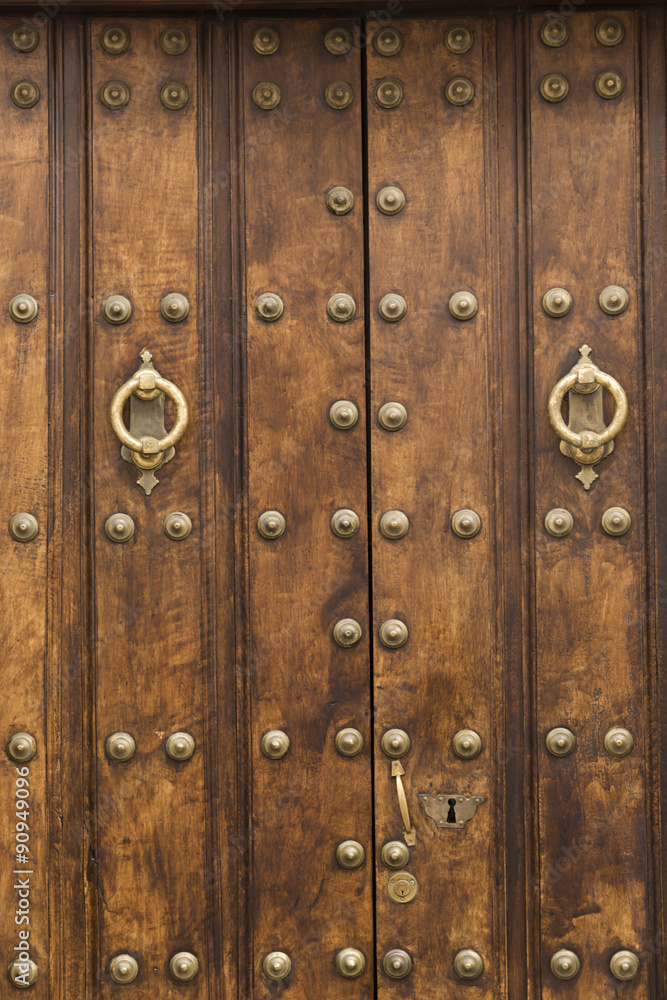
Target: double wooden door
point(332, 398)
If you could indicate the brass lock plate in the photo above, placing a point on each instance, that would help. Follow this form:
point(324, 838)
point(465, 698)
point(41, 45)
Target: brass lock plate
point(402, 887)
point(450, 810)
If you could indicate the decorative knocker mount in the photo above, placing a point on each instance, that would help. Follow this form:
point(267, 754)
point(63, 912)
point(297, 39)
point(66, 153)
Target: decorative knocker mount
point(147, 444)
point(585, 439)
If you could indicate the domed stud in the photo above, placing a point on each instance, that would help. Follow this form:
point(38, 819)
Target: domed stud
point(119, 527)
point(24, 38)
point(338, 41)
point(174, 307)
point(613, 300)
point(341, 307)
point(559, 522)
point(392, 307)
point(557, 302)
point(467, 744)
point(339, 200)
point(396, 963)
point(616, 521)
point(350, 854)
point(468, 964)
point(463, 305)
point(25, 94)
point(269, 306)
point(345, 523)
point(394, 854)
point(350, 962)
point(554, 88)
point(624, 965)
point(392, 416)
point(174, 41)
point(21, 747)
point(395, 743)
point(115, 39)
point(271, 524)
point(115, 95)
point(349, 742)
point(565, 964)
point(466, 523)
point(610, 31)
point(458, 39)
point(18, 975)
point(393, 633)
point(266, 96)
point(390, 200)
point(117, 309)
point(343, 415)
point(388, 94)
point(554, 33)
point(619, 742)
point(123, 968)
point(23, 308)
point(180, 746)
point(609, 85)
point(394, 524)
point(174, 95)
point(183, 966)
point(120, 747)
point(277, 965)
point(460, 91)
point(339, 95)
point(275, 744)
point(560, 742)
point(388, 42)
point(23, 527)
point(265, 41)
point(347, 632)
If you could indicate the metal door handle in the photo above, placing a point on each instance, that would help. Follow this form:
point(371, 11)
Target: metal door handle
point(409, 832)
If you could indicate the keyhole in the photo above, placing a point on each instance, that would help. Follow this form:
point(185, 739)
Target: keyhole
point(451, 815)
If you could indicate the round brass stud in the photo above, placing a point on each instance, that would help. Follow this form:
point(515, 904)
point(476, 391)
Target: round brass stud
point(25, 94)
point(271, 524)
point(338, 41)
point(392, 416)
point(350, 962)
point(613, 300)
point(468, 964)
point(557, 302)
point(350, 854)
point(266, 96)
point(183, 966)
point(120, 747)
point(554, 88)
point(24, 38)
point(119, 527)
point(269, 306)
point(463, 305)
point(117, 309)
point(394, 854)
point(396, 963)
point(347, 632)
point(394, 524)
point(390, 200)
point(458, 39)
point(115, 39)
point(460, 91)
point(115, 95)
point(174, 95)
point(277, 965)
point(560, 741)
point(339, 200)
point(349, 742)
point(177, 525)
point(275, 744)
point(559, 522)
point(265, 41)
point(616, 521)
point(23, 308)
point(609, 85)
point(388, 94)
point(466, 523)
point(467, 744)
point(21, 747)
point(388, 42)
point(339, 95)
point(554, 33)
point(392, 307)
point(343, 414)
point(345, 523)
point(180, 746)
point(17, 974)
point(174, 307)
point(174, 41)
point(393, 633)
point(395, 743)
point(23, 527)
point(341, 307)
point(610, 31)
point(624, 965)
point(619, 742)
point(565, 964)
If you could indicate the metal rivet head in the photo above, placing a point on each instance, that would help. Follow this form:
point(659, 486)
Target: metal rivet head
point(388, 93)
point(463, 305)
point(23, 527)
point(119, 527)
point(123, 968)
point(613, 300)
point(468, 964)
point(266, 95)
point(610, 31)
point(565, 964)
point(18, 976)
point(338, 41)
point(115, 95)
point(395, 743)
point(265, 41)
point(388, 42)
point(559, 522)
point(557, 302)
point(624, 965)
point(458, 39)
point(466, 523)
point(271, 524)
point(349, 742)
point(174, 95)
point(345, 523)
point(339, 95)
point(393, 633)
point(347, 632)
point(115, 39)
point(277, 965)
point(350, 962)
point(396, 963)
point(466, 744)
point(392, 307)
point(180, 746)
point(23, 308)
point(177, 525)
point(183, 966)
point(394, 524)
point(554, 88)
point(174, 41)
point(275, 744)
point(117, 309)
point(619, 742)
point(269, 306)
point(25, 94)
point(174, 307)
point(341, 307)
point(339, 200)
point(120, 747)
point(554, 33)
point(394, 854)
point(390, 200)
point(616, 521)
point(560, 742)
point(21, 747)
point(460, 91)
point(343, 414)
point(609, 85)
point(24, 38)
point(350, 854)
point(392, 416)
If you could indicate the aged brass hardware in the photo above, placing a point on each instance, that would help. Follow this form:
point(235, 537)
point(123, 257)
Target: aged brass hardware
point(266, 95)
point(115, 39)
point(449, 810)
point(619, 742)
point(25, 94)
point(388, 42)
point(388, 94)
point(396, 963)
point(609, 84)
point(21, 747)
point(180, 746)
point(349, 742)
point(616, 521)
point(115, 95)
point(343, 414)
point(347, 632)
point(392, 416)
point(467, 744)
point(392, 307)
point(177, 525)
point(390, 200)
point(559, 522)
point(277, 965)
point(393, 633)
point(24, 38)
point(174, 95)
point(565, 964)
point(557, 302)
point(120, 747)
point(586, 440)
point(345, 523)
point(23, 308)
point(613, 300)
point(338, 41)
point(395, 743)
point(123, 968)
point(269, 306)
point(460, 91)
point(466, 523)
point(341, 307)
point(339, 200)
point(350, 962)
point(458, 39)
point(174, 307)
point(560, 741)
point(610, 31)
point(394, 854)
point(554, 88)
point(119, 527)
point(350, 854)
point(339, 95)
point(554, 32)
point(117, 309)
point(275, 744)
point(174, 41)
point(624, 965)
point(271, 524)
point(183, 966)
point(397, 771)
point(19, 977)
point(394, 524)
point(23, 527)
point(468, 964)
point(265, 41)
point(463, 305)
point(402, 887)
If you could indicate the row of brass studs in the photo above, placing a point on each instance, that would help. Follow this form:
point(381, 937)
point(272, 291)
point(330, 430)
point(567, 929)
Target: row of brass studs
point(565, 964)
point(615, 521)
point(349, 742)
point(396, 963)
point(115, 95)
point(339, 95)
point(183, 966)
point(612, 300)
point(121, 747)
point(338, 41)
point(345, 523)
point(117, 309)
point(554, 87)
point(115, 39)
point(618, 742)
point(120, 527)
point(610, 31)
point(341, 307)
